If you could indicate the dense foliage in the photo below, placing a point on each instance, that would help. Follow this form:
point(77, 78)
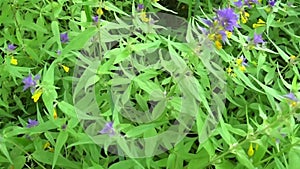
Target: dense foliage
point(149, 84)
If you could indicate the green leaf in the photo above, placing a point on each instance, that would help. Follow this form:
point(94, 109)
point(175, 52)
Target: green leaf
point(159, 6)
point(19, 162)
point(112, 7)
point(294, 155)
point(49, 93)
point(60, 141)
point(79, 41)
point(3, 149)
point(125, 164)
point(62, 162)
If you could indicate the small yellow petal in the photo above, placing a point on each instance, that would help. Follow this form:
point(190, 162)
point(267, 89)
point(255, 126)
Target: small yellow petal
point(219, 37)
point(211, 36)
point(218, 45)
point(143, 17)
point(99, 11)
point(51, 149)
point(13, 61)
point(260, 21)
point(229, 70)
point(244, 16)
point(66, 68)
point(242, 68)
point(292, 57)
point(250, 150)
point(228, 34)
point(256, 147)
point(268, 9)
point(46, 145)
point(294, 104)
point(37, 94)
point(239, 61)
point(54, 114)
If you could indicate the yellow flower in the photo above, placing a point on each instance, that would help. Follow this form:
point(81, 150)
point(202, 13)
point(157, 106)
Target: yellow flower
point(143, 17)
point(211, 36)
point(239, 61)
point(268, 9)
point(13, 61)
point(218, 45)
point(66, 68)
point(46, 145)
point(51, 149)
point(292, 57)
point(54, 114)
point(218, 37)
point(37, 94)
point(244, 16)
point(228, 34)
point(242, 68)
point(250, 150)
point(229, 70)
point(99, 11)
point(259, 23)
point(293, 103)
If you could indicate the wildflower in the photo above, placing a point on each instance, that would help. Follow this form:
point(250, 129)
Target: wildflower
point(140, 7)
point(32, 123)
point(58, 52)
point(143, 17)
point(259, 23)
point(242, 61)
point(293, 57)
point(99, 11)
point(272, 3)
point(223, 35)
point(108, 129)
point(257, 39)
point(54, 114)
point(30, 82)
point(11, 47)
point(250, 150)
point(292, 98)
point(66, 68)
point(47, 145)
point(95, 18)
point(228, 34)
point(37, 94)
point(218, 45)
point(227, 18)
point(229, 70)
point(51, 149)
point(207, 22)
point(238, 3)
point(64, 126)
point(64, 38)
point(249, 3)
point(13, 61)
point(244, 16)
